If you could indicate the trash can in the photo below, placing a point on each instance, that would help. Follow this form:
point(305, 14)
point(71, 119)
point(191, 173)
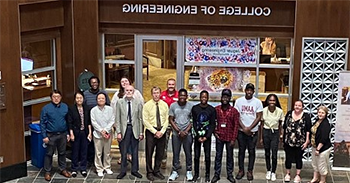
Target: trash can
point(38, 150)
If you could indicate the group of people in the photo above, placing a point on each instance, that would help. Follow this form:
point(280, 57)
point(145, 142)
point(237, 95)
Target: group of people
point(93, 119)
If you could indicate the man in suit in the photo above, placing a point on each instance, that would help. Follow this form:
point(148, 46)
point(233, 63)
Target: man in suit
point(155, 119)
point(129, 130)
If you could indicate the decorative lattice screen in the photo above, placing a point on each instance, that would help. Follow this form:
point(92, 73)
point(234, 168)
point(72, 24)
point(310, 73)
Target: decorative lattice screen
point(322, 60)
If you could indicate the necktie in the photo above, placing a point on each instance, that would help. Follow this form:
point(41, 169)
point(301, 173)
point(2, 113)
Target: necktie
point(129, 112)
point(159, 126)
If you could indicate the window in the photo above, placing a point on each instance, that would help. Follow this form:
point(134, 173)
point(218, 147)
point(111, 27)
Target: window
point(118, 60)
point(38, 65)
point(215, 63)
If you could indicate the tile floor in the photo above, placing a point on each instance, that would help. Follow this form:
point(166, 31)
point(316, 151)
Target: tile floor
point(37, 175)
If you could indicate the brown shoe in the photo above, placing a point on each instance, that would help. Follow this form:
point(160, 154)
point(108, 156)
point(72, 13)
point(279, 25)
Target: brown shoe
point(47, 176)
point(66, 174)
point(163, 165)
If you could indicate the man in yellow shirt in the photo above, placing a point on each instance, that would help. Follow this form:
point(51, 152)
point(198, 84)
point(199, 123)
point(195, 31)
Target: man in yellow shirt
point(155, 119)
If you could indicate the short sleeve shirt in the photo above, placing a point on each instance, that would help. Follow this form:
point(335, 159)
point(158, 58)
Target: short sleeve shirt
point(248, 109)
point(271, 119)
point(182, 114)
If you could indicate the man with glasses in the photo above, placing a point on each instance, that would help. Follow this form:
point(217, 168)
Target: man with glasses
point(54, 130)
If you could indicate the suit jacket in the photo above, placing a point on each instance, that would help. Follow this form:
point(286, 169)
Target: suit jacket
point(136, 117)
point(74, 120)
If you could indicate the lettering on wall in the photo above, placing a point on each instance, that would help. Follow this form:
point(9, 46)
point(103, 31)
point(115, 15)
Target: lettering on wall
point(194, 10)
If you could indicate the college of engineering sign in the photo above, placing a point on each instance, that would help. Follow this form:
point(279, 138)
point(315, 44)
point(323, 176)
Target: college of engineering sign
point(249, 13)
point(195, 9)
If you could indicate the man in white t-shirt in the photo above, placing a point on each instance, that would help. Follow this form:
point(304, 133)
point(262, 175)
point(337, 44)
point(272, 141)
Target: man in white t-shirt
point(250, 109)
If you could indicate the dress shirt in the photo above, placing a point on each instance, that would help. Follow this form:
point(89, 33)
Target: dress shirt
point(53, 118)
point(227, 123)
point(127, 107)
point(150, 117)
point(102, 119)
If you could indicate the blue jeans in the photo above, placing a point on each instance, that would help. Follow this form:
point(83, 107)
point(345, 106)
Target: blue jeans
point(218, 157)
point(187, 145)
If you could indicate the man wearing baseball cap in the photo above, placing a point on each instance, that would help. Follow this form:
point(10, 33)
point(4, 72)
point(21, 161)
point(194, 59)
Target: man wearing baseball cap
point(250, 109)
point(225, 134)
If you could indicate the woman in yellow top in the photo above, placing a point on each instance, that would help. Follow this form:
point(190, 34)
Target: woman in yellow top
point(270, 133)
point(321, 145)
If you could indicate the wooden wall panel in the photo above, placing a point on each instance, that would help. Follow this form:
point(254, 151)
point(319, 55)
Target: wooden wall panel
point(11, 124)
point(318, 18)
point(22, 2)
point(67, 80)
point(41, 15)
point(86, 37)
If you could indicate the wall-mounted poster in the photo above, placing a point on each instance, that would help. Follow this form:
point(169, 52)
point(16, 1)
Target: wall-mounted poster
point(341, 159)
point(215, 79)
point(221, 50)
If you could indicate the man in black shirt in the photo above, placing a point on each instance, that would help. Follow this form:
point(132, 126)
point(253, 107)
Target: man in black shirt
point(203, 117)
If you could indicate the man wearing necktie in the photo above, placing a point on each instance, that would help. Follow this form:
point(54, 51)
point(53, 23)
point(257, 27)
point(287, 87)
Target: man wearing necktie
point(155, 119)
point(129, 130)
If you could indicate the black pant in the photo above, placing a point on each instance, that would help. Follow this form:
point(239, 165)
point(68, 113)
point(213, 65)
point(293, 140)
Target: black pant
point(59, 141)
point(129, 140)
point(79, 151)
point(218, 157)
point(197, 154)
point(271, 140)
point(293, 155)
point(91, 152)
point(151, 143)
point(244, 142)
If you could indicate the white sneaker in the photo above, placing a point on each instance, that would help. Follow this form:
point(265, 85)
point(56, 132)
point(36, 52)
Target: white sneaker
point(109, 171)
point(189, 175)
point(268, 175)
point(174, 175)
point(287, 178)
point(273, 177)
point(100, 174)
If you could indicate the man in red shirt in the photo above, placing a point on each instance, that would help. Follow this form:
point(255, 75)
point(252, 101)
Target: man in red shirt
point(169, 96)
point(226, 132)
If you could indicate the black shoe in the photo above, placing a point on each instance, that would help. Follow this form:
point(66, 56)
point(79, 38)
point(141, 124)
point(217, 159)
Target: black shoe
point(121, 175)
point(136, 174)
point(159, 175)
point(150, 177)
point(250, 175)
point(215, 179)
point(84, 173)
point(240, 175)
point(74, 174)
point(207, 178)
point(195, 177)
point(231, 179)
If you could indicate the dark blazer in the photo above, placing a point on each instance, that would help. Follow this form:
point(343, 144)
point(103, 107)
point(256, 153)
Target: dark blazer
point(74, 120)
point(322, 135)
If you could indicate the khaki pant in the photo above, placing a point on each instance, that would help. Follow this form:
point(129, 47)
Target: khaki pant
point(102, 145)
point(320, 163)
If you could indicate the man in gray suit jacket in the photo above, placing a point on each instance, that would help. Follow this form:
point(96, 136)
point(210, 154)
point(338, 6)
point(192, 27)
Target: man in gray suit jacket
point(129, 130)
